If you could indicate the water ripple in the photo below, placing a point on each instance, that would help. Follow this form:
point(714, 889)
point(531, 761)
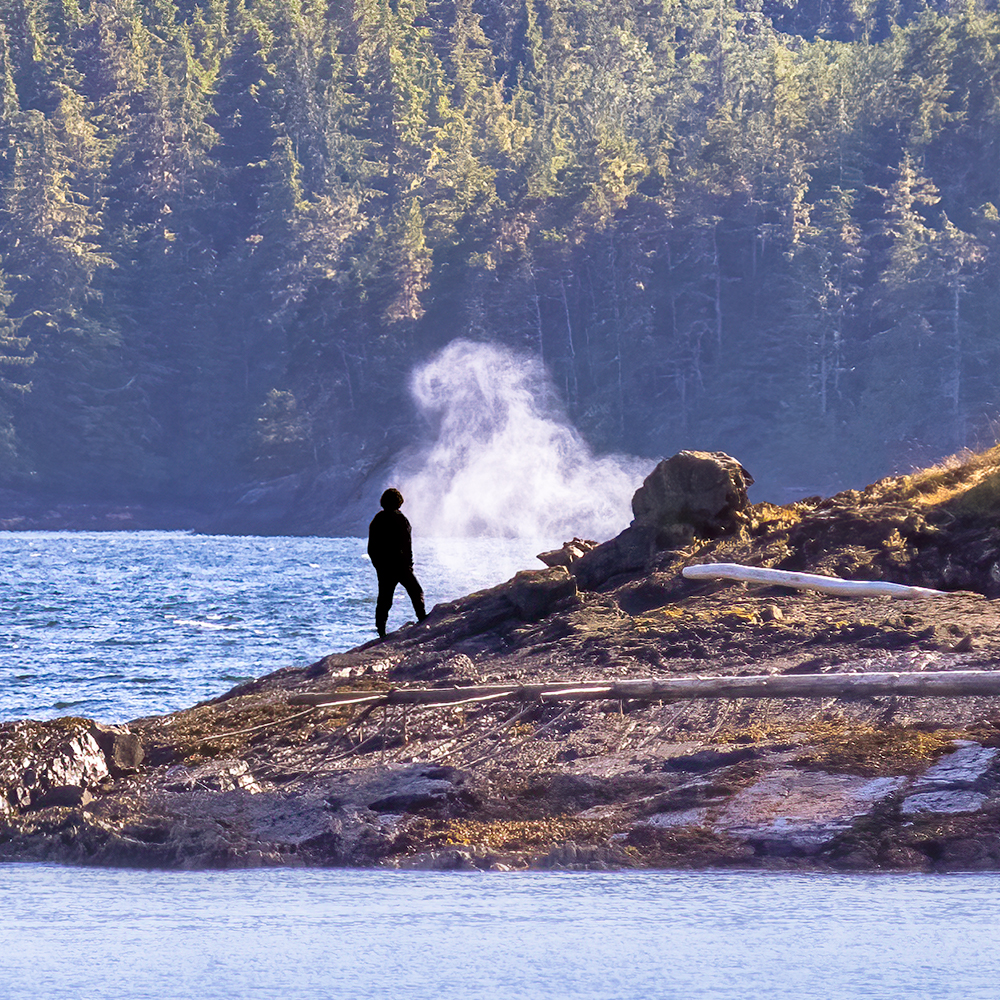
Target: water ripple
point(126, 624)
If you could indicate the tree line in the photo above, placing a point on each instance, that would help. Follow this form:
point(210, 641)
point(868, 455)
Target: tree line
point(229, 229)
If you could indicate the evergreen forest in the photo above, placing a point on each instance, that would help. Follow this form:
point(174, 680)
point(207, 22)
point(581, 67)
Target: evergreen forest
point(229, 229)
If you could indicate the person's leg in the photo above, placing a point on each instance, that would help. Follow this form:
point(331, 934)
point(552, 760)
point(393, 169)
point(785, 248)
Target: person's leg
point(413, 588)
point(386, 586)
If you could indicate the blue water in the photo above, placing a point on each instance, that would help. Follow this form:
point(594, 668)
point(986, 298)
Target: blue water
point(122, 625)
point(304, 934)
point(117, 625)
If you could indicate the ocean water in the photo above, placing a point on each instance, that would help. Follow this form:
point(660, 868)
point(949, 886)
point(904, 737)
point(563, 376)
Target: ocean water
point(116, 626)
point(303, 934)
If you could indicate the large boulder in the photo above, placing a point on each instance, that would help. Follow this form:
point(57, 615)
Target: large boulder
point(695, 494)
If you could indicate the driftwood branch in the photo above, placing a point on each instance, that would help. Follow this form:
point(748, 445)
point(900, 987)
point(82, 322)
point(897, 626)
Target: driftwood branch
point(806, 581)
point(916, 684)
point(537, 732)
point(450, 747)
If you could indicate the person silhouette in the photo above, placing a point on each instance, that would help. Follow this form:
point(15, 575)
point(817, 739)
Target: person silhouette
point(391, 552)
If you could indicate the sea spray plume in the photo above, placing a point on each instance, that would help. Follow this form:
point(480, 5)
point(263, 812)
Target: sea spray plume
point(505, 461)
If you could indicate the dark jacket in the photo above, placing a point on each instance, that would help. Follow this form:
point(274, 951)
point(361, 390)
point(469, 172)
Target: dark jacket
point(389, 545)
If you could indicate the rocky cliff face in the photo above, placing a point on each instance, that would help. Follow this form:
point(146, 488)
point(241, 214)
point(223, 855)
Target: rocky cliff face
point(256, 777)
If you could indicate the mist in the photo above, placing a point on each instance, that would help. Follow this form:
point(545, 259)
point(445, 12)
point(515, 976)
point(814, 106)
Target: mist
point(503, 460)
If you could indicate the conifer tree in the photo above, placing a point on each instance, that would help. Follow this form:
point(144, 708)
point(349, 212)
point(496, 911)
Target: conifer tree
point(920, 358)
point(15, 365)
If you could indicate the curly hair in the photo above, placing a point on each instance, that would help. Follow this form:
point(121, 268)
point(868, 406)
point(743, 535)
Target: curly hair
point(392, 499)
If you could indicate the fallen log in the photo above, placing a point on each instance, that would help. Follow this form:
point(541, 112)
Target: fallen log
point(916, 684)
point(806, 581)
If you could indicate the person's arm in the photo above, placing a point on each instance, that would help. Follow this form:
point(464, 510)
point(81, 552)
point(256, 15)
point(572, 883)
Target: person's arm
point(406, 543)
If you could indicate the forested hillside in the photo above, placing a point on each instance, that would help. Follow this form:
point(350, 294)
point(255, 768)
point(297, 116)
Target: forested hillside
point(230, 228)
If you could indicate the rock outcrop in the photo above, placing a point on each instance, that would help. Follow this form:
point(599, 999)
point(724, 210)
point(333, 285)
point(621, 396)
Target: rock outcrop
point(535, 593)
point(695, 494)
point(62, 763)
point(462, 779)
point(568, 553)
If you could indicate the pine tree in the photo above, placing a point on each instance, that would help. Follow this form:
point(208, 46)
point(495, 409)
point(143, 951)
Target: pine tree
point(920, 355)
point(15, 363)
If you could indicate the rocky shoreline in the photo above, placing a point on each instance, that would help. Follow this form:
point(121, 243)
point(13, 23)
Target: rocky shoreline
point(22, 511)
point(255, 777)
point(333, 504)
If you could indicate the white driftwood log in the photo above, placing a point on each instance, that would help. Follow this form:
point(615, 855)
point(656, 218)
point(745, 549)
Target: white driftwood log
point(914, 684)
point(806, 581)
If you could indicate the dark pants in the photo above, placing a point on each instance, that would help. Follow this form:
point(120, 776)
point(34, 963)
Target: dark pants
point(388, 578)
